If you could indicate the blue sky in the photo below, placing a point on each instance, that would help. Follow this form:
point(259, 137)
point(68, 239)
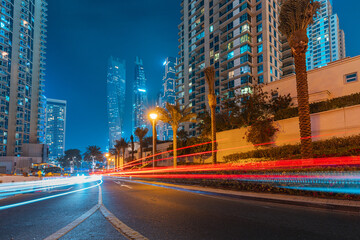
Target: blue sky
point(82, 34)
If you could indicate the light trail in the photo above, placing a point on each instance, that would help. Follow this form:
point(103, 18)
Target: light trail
point(10, 189)
point(249, 166)
point(225, 149)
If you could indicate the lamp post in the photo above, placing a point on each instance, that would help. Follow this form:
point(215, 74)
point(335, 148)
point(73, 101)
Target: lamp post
point(153, 117)
point(107, 160)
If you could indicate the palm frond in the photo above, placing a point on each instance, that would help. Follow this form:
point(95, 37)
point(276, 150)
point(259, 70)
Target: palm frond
point(296, 15)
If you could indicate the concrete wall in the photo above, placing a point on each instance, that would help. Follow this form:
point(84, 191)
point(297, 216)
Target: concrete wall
point(18, 164)
point(324, 83)
point(335, 123)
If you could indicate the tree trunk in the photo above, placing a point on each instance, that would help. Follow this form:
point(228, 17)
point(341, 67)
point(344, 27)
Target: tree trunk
point(175, 147)
point(303, 105)
point(213, 134)
point(142, 161)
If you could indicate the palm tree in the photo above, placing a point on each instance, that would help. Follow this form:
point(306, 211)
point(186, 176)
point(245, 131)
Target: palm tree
point(92, 153)
point(118, 147)
point(141, 133)
point(295, 17)
point(210, 80)
point(175, 115)
point(124, 144)
point(132, 147)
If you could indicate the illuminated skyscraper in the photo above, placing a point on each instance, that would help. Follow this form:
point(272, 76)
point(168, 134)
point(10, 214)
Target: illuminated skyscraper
point(55, 127)
point(167, 95)
point(326, 39)
point(140, 99)
point(241, 39)
point(116, 88)
point(22, 58)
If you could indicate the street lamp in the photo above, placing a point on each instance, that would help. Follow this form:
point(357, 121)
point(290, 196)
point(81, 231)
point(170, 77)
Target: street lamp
point(107, 160)
point(153, 117)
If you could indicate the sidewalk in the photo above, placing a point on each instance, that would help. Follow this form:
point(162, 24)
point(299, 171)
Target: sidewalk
point(332, 204)
point(9, 179)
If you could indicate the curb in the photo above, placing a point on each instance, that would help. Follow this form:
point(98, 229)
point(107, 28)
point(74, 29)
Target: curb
point(329, 204)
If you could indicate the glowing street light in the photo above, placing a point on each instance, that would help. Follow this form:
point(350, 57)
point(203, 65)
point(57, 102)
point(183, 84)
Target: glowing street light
point(153, 117)
point(107, 155)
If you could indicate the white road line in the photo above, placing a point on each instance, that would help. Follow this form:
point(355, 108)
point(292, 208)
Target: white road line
point(100, 196)
point(120, 226)
point(73, 225)
point(123, 185)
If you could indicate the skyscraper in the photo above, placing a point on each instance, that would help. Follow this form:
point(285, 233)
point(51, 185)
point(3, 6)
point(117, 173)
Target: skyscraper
point(326, 39)
point(241, 40)
point(167, 96)
point(140, 100)
point(22, 55)
point(116, 89)
point(55, 127)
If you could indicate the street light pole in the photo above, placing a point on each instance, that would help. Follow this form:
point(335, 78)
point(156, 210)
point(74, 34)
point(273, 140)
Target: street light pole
point(154, 116)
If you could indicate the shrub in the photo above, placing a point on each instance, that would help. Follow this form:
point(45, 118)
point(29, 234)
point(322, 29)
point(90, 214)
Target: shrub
point(334, 147)
point(261, 131)
point(340, 102)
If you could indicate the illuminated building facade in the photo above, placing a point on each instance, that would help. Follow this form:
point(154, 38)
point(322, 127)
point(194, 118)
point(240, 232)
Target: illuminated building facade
point(167, 95)
point(240, 38)
point(22, 58)
point(140, 99)
point(326, 39)
point(55, 127)
point(116, 89)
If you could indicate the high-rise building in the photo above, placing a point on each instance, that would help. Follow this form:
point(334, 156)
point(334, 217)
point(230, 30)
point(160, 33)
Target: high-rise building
point(326, 39)
point(140, 100)
point(167, 95)
point(116, 89)
point(239, 38)
point(55, 127)
point(22, 55)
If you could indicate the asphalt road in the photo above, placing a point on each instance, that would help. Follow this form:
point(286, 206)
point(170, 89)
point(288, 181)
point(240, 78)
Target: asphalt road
point(163, 213)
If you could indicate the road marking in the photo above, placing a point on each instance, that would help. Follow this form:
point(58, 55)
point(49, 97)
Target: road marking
point(120, 226)
point(73, 225)
point(100, 196)
point(122, 185)
point(46, 198)
point(117, 224)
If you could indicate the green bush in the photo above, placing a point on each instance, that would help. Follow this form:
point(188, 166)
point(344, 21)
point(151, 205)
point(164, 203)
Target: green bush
point(341, 102)
point(334, 147)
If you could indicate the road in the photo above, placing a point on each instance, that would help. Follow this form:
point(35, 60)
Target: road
point(145, 211)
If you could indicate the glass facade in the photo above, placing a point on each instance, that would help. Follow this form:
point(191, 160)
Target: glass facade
point(167, 96)
point(55, 127)
point(326, 39)
point(116, 88)
point(140, 99)
point(22, 72)
point(238, 38)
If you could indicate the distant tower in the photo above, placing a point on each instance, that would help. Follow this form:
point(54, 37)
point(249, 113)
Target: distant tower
point(55, 127)
point(116, 87)
point(167, 95)
point(326, 39)
point(140, 100)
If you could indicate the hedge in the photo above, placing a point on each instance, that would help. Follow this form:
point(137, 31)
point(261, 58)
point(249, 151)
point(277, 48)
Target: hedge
point(334, 147)
point(341, 102)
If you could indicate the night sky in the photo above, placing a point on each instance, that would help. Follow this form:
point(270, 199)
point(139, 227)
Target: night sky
point(82, 34)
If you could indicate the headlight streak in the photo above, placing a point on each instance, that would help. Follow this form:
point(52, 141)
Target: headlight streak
point(35, 186)
point(347, 183)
